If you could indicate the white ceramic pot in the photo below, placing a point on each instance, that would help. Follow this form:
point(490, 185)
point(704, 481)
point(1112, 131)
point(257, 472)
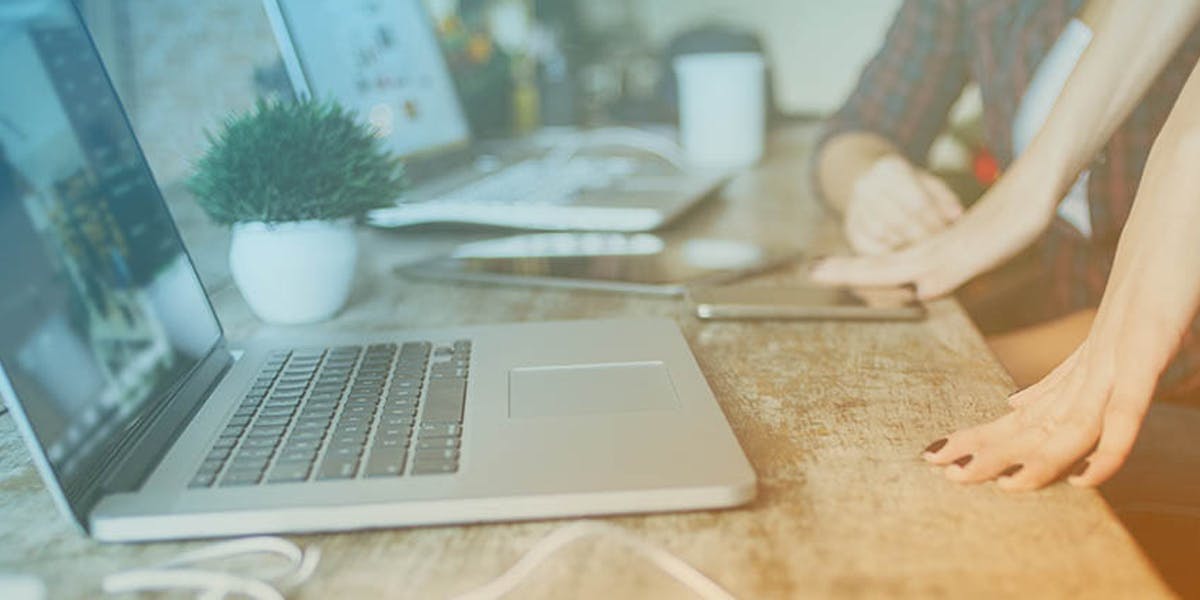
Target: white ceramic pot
point(293, 273)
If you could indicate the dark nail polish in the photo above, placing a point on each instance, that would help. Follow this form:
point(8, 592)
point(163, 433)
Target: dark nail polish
point(1011, 470)
point(935, 446)
point(1079, 470)
point(963, 461)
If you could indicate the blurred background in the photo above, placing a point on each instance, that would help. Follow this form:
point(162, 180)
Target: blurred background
point(181, 66)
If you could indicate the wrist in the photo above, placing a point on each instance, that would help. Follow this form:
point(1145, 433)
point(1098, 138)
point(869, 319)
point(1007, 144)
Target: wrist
point(1040, 185)
point(1045, 171)
point(845, 159)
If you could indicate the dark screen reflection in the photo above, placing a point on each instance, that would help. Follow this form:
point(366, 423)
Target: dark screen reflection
point(101, 313)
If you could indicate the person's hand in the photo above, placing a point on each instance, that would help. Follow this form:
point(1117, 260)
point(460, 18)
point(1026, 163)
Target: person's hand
point(894, 204)
point(1080, 421)
point(998, 227)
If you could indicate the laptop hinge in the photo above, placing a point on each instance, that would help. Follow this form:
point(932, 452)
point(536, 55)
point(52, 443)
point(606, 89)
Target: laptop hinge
point(146, 441)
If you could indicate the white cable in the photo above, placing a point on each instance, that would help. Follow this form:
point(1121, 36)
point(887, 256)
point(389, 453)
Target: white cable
point(686, 574)
point(211, 584)
point(177, 573)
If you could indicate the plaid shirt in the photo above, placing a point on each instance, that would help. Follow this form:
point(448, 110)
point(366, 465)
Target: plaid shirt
point(934, 47)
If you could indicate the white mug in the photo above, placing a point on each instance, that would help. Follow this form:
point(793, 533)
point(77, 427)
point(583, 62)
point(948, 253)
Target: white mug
point(722, 108)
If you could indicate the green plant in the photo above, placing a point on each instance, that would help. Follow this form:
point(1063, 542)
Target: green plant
point(294, 161)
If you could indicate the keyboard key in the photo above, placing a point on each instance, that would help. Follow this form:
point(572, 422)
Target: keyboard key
point(265, 432)
point(432, 429)
point(211, 465)
point(202, 480)
point(243, 462)
point(307, 435)
point(427, 443)
point(296, 455)
point(344, 452)
point(302, 446)
point(338, 469)
point(444, 401)
point(255, 453)
point(405, 419)
point(385, 462)
point(433, 455)
point(289, 473)
point(238, 478)
point(260, 442)
point(225, 442)
point(435, 468)
point(396, 442)
point(393, 432)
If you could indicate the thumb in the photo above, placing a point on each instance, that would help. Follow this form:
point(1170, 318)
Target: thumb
point(944, 199)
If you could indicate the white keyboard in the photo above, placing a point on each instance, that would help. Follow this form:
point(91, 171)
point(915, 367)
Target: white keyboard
point(539, 182)
point(534, 194)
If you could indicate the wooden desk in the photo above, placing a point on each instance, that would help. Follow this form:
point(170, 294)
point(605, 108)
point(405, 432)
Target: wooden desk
point(832, 416)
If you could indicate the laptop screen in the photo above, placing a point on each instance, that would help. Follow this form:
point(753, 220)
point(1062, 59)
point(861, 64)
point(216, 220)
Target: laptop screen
point(101, 312)
point(379, 58)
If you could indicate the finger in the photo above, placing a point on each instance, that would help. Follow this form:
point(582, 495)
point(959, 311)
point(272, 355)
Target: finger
point(1054, 455)
point(916, 205)
point(937, 283)
point(883, 228)
point(883, 270)
point(1122, 421)
point(985, 464)
point(944, 199)
point(908, 224)
point(864, 229)
point(865, 243)
point(965, 442)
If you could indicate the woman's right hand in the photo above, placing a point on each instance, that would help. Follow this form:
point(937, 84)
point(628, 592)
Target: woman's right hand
point(1012, 214)
point(894, 204)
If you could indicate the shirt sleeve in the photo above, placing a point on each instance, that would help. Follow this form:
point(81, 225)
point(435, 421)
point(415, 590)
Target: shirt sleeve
point(905, 92)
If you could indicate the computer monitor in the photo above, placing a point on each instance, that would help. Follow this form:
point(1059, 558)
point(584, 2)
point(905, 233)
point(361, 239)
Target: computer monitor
point(101, 313)
point(380, 58)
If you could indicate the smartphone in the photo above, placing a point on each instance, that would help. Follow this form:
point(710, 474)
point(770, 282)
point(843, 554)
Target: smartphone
point(810, 302)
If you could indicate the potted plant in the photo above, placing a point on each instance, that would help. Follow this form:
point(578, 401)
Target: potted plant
point(290, 179)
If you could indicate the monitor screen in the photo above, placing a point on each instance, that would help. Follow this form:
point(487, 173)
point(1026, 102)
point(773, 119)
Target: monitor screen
point(380, 58)
point(101, 312)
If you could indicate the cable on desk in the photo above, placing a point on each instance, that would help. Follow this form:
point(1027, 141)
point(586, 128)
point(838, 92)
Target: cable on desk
point(180, 573)
point(559, 538)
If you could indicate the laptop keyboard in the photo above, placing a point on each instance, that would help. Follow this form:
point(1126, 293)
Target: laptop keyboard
point(344, 413)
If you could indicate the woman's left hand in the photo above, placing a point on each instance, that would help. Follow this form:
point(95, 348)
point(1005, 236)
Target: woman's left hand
point(1081, 421)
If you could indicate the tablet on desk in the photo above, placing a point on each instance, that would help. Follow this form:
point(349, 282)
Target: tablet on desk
point(638, 263)
point(806, 302)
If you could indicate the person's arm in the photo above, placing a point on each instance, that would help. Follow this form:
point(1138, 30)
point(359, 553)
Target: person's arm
point(1129, 48)
point(865, 162)
point(1092, 406)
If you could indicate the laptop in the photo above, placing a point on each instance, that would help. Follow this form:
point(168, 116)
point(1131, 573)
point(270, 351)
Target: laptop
point(383, 60)
point(147, 424)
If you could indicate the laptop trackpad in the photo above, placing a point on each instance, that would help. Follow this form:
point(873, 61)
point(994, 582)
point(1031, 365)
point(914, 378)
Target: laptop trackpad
point(562, 391)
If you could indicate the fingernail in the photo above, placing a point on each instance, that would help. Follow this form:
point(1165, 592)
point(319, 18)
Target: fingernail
point(1012, 470)
point(963, 461)
point(1079, 470)
point(935, 446)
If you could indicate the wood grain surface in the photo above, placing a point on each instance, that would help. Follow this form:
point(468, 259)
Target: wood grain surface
point(831, 415)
